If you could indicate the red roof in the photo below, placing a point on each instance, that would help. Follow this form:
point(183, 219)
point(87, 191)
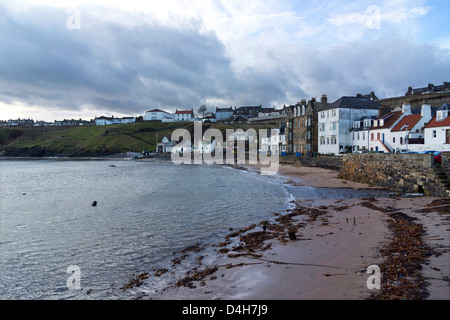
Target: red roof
point(410, 121)
point(184, 112)
point(442, 123)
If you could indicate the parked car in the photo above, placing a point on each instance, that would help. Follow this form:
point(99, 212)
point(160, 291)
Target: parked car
point(437, 156)
point(428, 152)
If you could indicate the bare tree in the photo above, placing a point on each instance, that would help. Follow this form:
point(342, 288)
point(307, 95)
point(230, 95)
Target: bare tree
point(202, 110)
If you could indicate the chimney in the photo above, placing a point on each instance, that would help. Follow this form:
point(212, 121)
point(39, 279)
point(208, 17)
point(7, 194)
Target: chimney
point(406, 109)
point(303, 101)
point(324, 100)
point(426, 111)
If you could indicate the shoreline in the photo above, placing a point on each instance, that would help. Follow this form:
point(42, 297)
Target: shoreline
point(330, 256)
point(336, 240)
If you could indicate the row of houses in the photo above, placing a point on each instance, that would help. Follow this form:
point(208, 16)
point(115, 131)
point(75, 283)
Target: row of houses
point(362, 124)
point(240, 114)
point(67, 122)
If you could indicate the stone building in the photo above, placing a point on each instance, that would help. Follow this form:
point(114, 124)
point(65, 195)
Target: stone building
point(301, 126)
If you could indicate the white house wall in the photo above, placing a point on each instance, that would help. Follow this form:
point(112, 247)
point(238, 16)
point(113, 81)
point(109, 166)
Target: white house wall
point(436, 143)
point(344, 118)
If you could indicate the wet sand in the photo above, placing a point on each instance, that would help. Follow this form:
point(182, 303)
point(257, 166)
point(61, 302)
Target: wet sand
point(330, 257)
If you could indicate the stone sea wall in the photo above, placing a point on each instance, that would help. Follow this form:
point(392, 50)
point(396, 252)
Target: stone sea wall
point(329, 162)
point(406, 173)
point(445, 163)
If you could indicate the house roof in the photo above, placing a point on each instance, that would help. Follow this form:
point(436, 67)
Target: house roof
point(409, 121)
point(157, 110)
point(230, 109)
point(360, 102)
point(184, 112)
point(435, 123)
point(430, 88)
point(388, 120)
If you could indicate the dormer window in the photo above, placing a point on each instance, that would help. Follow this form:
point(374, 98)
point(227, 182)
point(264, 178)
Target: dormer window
point(442, 113)
point(381, 122)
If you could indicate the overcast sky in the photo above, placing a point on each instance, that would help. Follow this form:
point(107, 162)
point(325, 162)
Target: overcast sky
point(77, 59)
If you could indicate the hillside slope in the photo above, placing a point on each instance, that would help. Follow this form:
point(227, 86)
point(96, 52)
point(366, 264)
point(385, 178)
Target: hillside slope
point(95, 140)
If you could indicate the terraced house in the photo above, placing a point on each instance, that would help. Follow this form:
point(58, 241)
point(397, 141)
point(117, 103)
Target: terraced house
point(336, 120)
point(304, 138)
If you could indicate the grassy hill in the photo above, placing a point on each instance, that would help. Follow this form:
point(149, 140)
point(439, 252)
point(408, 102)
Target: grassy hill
point(96, 140)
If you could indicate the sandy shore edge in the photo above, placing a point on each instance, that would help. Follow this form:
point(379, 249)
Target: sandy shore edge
point(331, 255)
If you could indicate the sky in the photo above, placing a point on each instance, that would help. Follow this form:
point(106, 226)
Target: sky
point(62, 59)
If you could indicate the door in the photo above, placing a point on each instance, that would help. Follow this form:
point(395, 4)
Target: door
point(447, 136)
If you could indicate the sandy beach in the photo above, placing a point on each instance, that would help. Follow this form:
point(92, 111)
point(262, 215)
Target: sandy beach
point(335, 243)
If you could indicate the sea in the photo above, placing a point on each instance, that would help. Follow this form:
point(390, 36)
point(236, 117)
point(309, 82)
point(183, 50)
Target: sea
point(55, 244)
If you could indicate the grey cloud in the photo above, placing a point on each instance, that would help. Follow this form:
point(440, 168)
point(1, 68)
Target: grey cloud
point(107, 64)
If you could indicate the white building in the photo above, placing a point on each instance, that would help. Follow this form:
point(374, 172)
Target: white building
point(360, 133)
point(275, 142)
point(102, 121)
point(410, 128)
point(336, 120)
point(184, 115)
point(157, 115)
point(165, 146)
point(380, 132)
point(437, 131)
point(223, 114)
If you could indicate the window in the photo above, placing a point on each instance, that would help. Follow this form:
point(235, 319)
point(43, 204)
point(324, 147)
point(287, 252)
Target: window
point(378, 136)
point(393, 140)
point(434, 133)
point(371, 136)
point(364, 136)
point(357, 135)
point(333, 126)
point(401, 140)
point(328, 140)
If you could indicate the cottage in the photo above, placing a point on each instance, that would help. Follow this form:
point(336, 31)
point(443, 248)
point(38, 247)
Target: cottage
point(184, 115)
point(410, 129)
point(380, 131)
point(165, 146)
point(437, 131)
point(223, 114)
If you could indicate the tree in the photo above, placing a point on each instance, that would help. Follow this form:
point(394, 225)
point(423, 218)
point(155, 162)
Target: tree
point(202, 110)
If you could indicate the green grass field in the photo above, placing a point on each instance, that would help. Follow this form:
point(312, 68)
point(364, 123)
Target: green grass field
point(120, 138)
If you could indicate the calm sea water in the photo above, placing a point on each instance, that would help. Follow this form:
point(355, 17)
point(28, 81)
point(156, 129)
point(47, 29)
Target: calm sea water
point(146, 212)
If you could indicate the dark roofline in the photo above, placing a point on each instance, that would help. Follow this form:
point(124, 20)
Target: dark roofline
point(350, 102)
